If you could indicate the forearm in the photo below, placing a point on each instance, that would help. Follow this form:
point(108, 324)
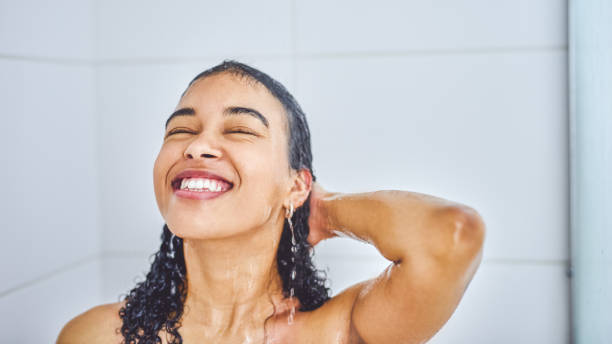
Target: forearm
point(397, 223)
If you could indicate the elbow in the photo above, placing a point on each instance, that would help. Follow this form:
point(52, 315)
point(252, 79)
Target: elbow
point(468, 228)
point(465, 230)
point(453, 233)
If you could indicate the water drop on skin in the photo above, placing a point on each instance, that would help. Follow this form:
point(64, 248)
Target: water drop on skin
point(292, 312)
point(291, 315)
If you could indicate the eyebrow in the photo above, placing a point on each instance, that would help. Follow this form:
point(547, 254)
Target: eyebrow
point(228, 111)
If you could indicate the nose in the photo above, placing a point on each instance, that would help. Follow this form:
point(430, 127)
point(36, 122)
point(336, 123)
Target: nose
point(202, 147)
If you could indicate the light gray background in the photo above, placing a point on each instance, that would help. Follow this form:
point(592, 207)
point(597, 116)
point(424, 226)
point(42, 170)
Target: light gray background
point(464, 99)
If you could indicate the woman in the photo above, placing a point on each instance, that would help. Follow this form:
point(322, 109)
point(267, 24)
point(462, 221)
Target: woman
point(234, 182)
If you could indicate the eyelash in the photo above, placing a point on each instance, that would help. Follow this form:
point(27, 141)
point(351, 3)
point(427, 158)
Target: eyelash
point(243, 132)
point(176, 131)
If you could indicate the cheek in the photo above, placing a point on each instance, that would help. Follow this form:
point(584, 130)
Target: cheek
point(264, 179)
point(266, 170)
point(160, 170)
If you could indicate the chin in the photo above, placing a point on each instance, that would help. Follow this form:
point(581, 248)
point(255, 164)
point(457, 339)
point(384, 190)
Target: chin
point(198, 231)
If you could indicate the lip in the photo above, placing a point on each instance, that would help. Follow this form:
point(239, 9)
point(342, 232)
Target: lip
point(198, 195)
point(201, 195)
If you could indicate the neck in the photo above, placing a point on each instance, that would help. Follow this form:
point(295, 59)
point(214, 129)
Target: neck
point(233, 283)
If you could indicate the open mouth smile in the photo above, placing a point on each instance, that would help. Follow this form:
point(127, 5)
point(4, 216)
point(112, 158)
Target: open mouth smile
point(199, 185)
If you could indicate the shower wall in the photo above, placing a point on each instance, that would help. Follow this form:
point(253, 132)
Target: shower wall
point(49, 259)
point(464, 100)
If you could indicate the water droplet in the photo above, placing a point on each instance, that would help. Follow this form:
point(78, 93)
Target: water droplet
point(291, 315)
point(293, 274)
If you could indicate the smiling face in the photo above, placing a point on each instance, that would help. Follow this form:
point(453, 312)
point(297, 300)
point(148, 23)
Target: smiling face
point(214, 130)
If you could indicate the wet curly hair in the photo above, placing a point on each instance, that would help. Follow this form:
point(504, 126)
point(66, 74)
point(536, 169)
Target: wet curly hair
point(157, 302)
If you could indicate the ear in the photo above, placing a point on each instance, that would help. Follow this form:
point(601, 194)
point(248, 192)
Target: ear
point(300, 188)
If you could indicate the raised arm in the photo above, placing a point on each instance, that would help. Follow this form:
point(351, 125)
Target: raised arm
point(435, 246)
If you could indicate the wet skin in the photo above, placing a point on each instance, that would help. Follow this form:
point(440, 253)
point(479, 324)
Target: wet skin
point(434, 246)
point(230, 242)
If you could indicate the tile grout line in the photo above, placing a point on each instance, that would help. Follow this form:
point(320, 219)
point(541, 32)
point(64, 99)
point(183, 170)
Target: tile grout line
point(49, 60)
point(334, 55)
point(515, 261)
point(432, 52)
point(94, 25)
point(50, 274)
point(294, 55)
point(126, 254)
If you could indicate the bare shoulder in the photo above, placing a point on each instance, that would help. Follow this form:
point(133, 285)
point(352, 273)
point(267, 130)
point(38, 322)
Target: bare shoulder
point(98, 324)
point(334, 317)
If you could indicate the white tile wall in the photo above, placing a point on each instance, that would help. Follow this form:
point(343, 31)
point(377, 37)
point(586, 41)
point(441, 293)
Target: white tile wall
point(121, 272)
point(350, 26)
point(47, 29)
point(48, 178)
point(487, 130)
point(345, 269)
point(464, 101)
point(508, 303)
point(37, 313)
point(49, 205)
point(191, 28)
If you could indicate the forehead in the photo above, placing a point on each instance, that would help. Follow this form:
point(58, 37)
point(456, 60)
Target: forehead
point(212, 94)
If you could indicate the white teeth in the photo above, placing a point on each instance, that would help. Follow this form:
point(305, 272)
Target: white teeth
point(211, 185)
point(202, 184)
point(195, 183)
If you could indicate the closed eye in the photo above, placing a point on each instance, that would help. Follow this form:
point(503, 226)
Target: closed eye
point(176, 131)
point(243, 132)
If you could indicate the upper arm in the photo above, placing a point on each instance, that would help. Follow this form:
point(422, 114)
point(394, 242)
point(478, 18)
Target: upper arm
point(413, 298)
point(96, 325)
